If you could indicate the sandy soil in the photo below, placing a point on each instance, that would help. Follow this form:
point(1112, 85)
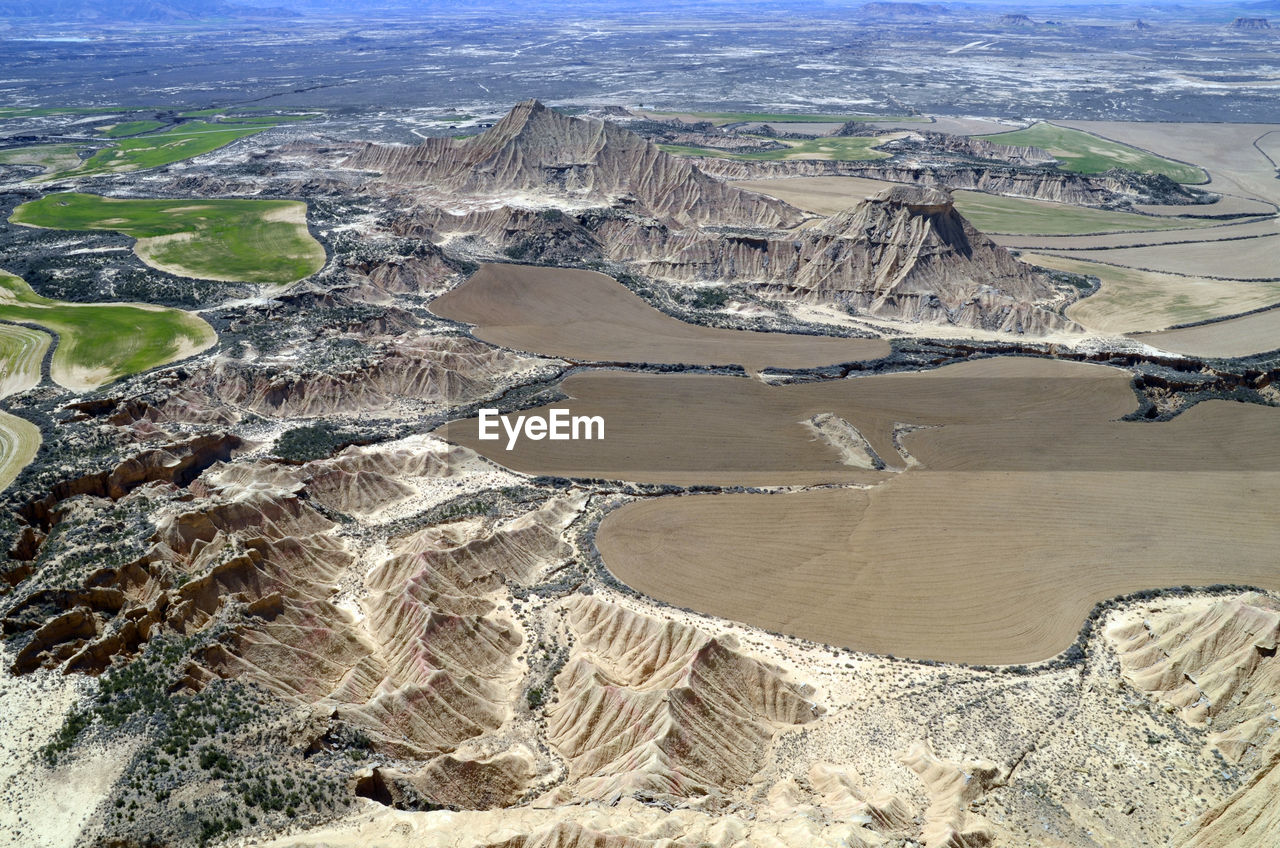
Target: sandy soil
point(582, 315)
point(1142, 301)
point(42, 807)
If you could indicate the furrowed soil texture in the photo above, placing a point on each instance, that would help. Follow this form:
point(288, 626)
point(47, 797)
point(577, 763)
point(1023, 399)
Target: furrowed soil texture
point(1014, 478)
point(979, 567)
point(22, 350)
point(582, 315)
point(254, 241)
point(98, 343)
point(19, 441)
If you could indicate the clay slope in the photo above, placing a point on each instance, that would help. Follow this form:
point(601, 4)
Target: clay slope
point(432, 369)
point(244, 565)
point(655, 707)
point(1215, 663)
point(537, 150)
point(905, 254)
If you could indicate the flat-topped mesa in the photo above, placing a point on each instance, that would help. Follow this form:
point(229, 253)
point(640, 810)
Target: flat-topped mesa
point(905, 254)
point(1251, 23)
point(918, 200)
point(540, 151)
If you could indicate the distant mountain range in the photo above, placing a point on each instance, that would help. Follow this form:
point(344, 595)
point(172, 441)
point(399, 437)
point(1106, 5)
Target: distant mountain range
point(134, 11)
point(178, 11)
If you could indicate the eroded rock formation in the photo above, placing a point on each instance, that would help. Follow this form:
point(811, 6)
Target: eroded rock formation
point(539, 151)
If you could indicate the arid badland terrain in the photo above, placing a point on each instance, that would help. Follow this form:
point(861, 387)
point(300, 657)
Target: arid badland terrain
point(935, 504)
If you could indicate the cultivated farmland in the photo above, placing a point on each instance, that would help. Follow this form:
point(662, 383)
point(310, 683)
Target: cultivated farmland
point(19, 441)
point(256, 241)
point(989, 213)
point(1134, 301)
point(839, 148)
point(98, 343)
point(1086, 153)
point(586, 315)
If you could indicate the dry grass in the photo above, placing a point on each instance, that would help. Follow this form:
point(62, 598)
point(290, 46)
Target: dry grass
point(1249, 334)
point(1245, 259)
point(989, 213)
point(1142, 301)
point(582, 315)
point(1217, 232)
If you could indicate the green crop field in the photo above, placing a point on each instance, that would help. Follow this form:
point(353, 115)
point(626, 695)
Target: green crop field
point(1088, 154)
point(19, 441)
point(842, 148)
point(98, 343)
point(993, 214)
point(130, 128)
point(182, 142)
point(722, 118)
point(254, 241)
point(22, 352)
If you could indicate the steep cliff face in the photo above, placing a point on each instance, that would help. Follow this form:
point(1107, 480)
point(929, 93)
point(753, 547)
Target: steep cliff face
point(535, 149)
point(905, 254)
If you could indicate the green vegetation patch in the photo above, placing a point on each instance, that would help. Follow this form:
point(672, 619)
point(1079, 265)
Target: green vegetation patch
point(993, 214)
point(317, 441)
point(253, 241)
point(1085, 153)
point(840, 148)
point(128, 128)
point(98, 343)
point(182, 142)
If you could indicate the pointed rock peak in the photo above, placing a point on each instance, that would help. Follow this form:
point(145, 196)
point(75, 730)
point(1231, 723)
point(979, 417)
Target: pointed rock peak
point(518, 118)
